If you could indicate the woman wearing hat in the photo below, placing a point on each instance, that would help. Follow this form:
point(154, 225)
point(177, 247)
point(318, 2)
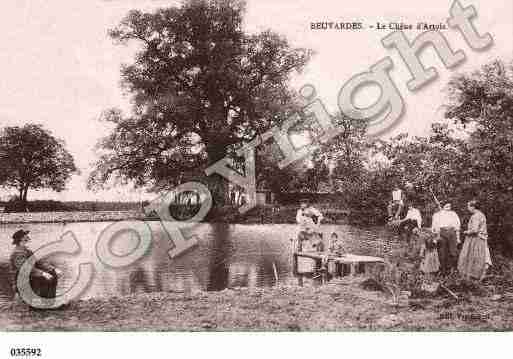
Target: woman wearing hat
point(43, 278)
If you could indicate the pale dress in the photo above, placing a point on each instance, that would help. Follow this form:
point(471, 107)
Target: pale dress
point(475, 253)
point(306, 242)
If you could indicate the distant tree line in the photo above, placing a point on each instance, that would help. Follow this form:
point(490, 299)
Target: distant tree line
point(14, 205)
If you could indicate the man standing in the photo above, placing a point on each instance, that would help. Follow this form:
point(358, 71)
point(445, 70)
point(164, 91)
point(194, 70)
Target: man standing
point(309, 219)
point(412, 220)
point(446, 225)
point(395, 206)
point(308, 216)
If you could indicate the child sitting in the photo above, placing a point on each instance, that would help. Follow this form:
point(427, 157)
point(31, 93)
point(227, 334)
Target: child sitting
point(335, 245)
point(318, 243)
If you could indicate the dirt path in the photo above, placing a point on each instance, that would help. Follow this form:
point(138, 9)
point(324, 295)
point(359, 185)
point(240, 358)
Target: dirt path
point(336, 306)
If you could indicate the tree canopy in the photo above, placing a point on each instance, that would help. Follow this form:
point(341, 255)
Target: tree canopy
point(483, 102)
point(30, 157)
point(201, 86)
point(468, 156)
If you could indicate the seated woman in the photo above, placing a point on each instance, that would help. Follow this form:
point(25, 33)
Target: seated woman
point(43, 278)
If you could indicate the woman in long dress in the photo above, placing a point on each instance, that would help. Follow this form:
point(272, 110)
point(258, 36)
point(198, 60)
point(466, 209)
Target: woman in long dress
point(474, 257)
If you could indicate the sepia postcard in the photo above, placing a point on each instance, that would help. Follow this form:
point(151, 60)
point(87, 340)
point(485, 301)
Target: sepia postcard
point(254, 166)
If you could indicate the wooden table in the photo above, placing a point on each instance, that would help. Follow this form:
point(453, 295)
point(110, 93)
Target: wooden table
point(350, 260)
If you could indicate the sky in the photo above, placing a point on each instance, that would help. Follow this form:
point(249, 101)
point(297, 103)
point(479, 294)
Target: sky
point(60, 69)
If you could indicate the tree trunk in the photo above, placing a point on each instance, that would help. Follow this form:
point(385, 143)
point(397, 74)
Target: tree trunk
point(218, 268)
point(25, 192)
point(217, 184)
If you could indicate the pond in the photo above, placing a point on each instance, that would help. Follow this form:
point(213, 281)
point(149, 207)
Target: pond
point(228, 255)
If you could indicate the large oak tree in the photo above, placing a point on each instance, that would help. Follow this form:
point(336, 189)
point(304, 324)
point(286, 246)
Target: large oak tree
point(201, 87)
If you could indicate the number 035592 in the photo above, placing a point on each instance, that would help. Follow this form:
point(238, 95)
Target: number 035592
point(25, 352)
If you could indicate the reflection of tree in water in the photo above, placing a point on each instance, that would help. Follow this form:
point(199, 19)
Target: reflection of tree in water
point(256, 269)
point(218, 262)
point(185, 205)
point(139, 278)
point(265, 271)
point(184, 272)
point(6, 281)
point(219, 258)
point(240, 275)
point(159, 284)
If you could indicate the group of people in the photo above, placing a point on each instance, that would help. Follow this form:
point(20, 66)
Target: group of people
point(440, 246)
point(444, 249)
point(309, 220)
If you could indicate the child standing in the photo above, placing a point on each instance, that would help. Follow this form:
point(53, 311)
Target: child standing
point(429, 255)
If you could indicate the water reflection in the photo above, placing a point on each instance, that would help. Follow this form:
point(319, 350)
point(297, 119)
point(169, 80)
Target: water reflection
point(6, 281)
point(138, 280)
point(220, 255)
point(227, 256)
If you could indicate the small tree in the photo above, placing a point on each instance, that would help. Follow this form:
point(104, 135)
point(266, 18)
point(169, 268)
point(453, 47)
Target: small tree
point(30, 157)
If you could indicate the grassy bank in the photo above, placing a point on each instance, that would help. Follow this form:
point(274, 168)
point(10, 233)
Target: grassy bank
point(340, 305)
